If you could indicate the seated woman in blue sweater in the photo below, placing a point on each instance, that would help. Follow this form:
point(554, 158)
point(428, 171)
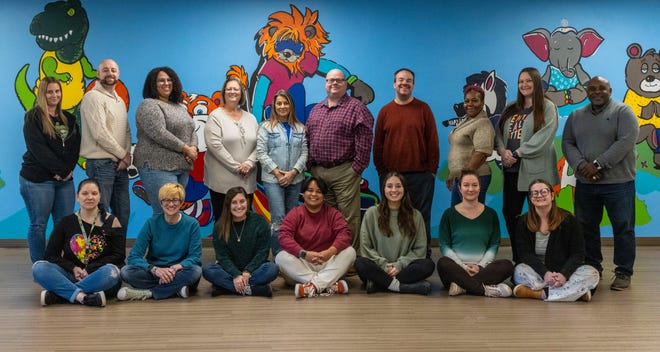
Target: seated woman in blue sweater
point(469, 241)
point(550, 248)
point(393, 243)
point(241, 240)
point(165, 259)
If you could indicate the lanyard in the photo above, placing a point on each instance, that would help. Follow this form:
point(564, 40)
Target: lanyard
point(88, 242)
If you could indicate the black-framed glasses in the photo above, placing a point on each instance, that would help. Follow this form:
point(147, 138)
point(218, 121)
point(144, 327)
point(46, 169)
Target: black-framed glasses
point(335, 80)
point(170, 201)
point(540, 193)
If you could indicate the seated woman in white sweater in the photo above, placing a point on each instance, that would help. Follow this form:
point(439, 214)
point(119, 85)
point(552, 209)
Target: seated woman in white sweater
point(393, 243)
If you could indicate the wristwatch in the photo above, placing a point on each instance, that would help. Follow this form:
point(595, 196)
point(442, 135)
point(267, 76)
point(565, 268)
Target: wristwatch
point(598, 165)
point(302, 254)
point(515, 154)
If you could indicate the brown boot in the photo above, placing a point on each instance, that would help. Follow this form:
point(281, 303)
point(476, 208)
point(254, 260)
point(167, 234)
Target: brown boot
point(522, 291)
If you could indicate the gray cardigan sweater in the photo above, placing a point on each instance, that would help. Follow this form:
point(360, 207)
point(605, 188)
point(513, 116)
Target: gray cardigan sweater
point(163, 128)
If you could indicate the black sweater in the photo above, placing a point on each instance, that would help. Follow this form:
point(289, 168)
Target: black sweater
point(45, 156)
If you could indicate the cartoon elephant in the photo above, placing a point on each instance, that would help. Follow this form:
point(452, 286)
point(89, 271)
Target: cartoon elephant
point(564, 79)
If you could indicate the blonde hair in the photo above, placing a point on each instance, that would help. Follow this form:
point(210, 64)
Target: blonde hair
point(48, 128)
point(171, 190)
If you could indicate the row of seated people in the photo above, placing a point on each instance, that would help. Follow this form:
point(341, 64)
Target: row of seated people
point(312, 250)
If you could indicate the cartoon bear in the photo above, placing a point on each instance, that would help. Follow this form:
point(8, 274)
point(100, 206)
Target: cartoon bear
point(643, 95)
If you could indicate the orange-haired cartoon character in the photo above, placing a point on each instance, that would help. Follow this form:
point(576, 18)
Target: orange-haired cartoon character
point(290, 46)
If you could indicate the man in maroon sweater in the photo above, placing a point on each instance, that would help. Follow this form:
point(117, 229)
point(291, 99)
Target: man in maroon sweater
point(406, 141)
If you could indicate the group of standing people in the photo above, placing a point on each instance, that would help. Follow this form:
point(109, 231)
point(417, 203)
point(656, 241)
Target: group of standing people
point(316, 243)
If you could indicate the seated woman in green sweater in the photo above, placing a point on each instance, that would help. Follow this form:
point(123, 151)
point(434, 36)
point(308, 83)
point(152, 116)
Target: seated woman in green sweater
point(393, 243)
point(241, 240)
point(469, 240)
point(166, 256)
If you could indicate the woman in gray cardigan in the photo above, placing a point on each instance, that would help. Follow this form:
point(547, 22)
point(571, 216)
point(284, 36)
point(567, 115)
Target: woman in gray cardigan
point(524, 139)
point(167, 142)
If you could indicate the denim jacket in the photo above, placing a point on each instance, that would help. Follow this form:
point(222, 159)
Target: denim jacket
point(274, 151)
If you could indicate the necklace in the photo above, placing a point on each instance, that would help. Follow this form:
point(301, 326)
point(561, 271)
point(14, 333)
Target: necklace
point(88, 242)
point(238, 237)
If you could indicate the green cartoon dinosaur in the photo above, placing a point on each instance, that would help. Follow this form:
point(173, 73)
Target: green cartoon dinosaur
point(61, 31)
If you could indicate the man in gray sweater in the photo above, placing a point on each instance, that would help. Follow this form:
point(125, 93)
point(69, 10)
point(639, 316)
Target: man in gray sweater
point(599, 144)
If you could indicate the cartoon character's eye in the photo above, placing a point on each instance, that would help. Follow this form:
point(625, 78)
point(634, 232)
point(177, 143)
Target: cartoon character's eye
point(71, 12)
point(201, 110)
point(645, 68)
point(656, 68)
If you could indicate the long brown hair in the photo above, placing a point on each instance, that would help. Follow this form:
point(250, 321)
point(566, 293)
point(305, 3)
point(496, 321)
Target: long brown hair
point(48, 128)
point(538, 101)
point(556, 215)
point(223, 225)
point(406, 211)
point(291, 119)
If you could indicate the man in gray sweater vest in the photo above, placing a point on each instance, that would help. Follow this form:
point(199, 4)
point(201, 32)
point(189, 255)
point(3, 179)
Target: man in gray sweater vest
point(599, 144)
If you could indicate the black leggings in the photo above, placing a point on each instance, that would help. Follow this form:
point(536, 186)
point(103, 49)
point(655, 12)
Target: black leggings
point(494, 273)
point(416, 271)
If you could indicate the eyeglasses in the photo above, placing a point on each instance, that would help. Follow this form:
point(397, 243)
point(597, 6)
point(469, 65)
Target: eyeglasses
point(170, 201)
point(335, 80)
point(540, 193)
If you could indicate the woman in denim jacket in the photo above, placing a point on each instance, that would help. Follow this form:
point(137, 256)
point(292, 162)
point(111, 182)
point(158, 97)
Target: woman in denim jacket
point(282, 152)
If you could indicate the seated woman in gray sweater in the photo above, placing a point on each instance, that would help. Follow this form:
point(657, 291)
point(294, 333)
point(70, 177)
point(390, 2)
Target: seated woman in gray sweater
point(393, 243)
point(469, 241)
point(241, 240)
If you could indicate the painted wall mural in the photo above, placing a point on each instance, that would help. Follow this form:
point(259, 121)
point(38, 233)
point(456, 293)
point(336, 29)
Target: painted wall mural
point(293, 45)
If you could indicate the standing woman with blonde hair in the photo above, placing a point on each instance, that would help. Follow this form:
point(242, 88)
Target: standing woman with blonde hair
point(524, 139)
point(282, 152)
point(52, 139)
point(241, 242)
point(230, 134)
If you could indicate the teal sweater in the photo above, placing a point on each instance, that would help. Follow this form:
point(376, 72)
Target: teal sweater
point(470, 241)
point(398, 249)
point(162, 245)
point(247, 255)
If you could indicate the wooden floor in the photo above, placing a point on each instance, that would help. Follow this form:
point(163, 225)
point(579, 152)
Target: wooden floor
point(613, 321)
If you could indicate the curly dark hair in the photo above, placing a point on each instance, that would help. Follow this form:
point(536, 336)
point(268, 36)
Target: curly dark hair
point(150, 90)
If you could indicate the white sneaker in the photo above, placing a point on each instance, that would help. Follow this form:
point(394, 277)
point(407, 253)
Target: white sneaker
point(184, 292)
point(131, 294)
point(455, 290)
point(499, 290)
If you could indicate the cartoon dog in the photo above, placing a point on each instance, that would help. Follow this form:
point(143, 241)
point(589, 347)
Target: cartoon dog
point(643, 95)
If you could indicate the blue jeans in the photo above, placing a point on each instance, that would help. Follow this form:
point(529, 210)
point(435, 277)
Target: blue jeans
point(154, 179)
point(484, 182)
point(141, 278)
point(41, 200)
point(263, 275)
point(114, 187)
point(280, 201)
point(619, 200)
point(54, 278)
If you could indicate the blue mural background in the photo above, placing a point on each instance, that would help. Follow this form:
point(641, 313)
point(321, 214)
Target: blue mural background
point(442, 42)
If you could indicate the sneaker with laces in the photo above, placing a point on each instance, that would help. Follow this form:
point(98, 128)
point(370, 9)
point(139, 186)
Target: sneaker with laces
point(339, 287)
point(585, 297)
point(94, 299)
point(499, 290)
point(48, 298)
point(305, 290)
point(421, 288)
point(621, 281)
point(133, 294)
point(455, 290)
point(261, 291)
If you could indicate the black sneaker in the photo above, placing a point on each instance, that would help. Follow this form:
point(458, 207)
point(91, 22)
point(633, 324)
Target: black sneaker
point(219, 291)
point(261, 290)
point(371, 287)
point(621, 281)
point(94, 299)
point(48, 298)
